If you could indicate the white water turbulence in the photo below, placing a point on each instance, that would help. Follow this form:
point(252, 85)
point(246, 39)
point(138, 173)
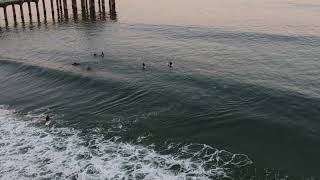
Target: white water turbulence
point(29, 150)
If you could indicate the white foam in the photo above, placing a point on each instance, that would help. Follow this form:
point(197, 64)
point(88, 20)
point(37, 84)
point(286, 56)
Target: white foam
point(28, 151)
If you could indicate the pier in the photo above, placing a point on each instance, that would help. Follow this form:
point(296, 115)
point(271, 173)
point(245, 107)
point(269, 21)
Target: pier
point(58, 8)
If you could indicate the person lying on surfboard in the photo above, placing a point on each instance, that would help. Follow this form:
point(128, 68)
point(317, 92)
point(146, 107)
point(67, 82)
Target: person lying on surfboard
point(48, 120)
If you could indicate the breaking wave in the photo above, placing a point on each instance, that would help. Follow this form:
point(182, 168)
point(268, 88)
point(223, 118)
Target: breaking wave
point(30, 150)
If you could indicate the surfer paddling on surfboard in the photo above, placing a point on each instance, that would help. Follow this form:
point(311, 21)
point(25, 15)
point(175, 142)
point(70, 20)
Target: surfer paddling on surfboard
point(48, 120)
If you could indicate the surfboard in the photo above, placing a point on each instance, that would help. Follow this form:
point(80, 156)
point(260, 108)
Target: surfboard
point(48, 123)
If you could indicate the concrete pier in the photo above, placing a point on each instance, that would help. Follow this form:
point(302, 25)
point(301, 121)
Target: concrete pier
point(87, 8)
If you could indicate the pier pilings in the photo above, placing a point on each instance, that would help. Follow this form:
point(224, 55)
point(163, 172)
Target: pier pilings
point(52, 9)
point(29, 10)
point(88, 8)
point(38, 13)
point(112, 6)
point(44, 9)
point(14, 15)
point(5, 15)
point(21, 12)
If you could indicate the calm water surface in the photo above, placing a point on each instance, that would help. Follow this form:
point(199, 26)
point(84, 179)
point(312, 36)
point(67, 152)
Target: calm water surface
point(242, 100)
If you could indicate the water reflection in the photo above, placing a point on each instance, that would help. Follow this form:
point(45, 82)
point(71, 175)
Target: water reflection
point(47, 24)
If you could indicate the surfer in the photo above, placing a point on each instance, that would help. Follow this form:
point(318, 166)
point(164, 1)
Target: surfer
point(75, 64)
point(170, 64)
point(89, 68)
point(143, 66)
point(102, 54)
point(94, 54)
point(48, 120)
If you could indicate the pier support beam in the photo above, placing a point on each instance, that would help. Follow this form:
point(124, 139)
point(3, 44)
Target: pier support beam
point(74, 9)
point(83, 8)
point(65, 8)
point(112, 6)
point(37, 8)
point(60, 6)
point(29, 9)
point(87, 8)
point(44, 10)
point(74, 5)
point(14, 14)
point(58, 9)
point(99, 4)
point(92, 9)
point(52, 9)
point(5, 15)
point(103, 8)
point(21, 12)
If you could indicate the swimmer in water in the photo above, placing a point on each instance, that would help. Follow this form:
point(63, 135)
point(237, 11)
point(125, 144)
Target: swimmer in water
point(143, 66)
point(170, 64)
point(102, 54)
point(94, 54)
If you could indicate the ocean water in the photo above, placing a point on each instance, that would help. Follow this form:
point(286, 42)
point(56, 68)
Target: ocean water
point(242, 100)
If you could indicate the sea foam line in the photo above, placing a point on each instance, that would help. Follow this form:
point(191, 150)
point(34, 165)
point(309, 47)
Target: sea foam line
point(28, 151)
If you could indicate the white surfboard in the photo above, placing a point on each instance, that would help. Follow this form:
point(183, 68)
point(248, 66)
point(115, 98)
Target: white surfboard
point(48, 123)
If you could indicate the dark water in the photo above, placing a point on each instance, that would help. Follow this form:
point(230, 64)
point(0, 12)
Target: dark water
point(237, 104)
